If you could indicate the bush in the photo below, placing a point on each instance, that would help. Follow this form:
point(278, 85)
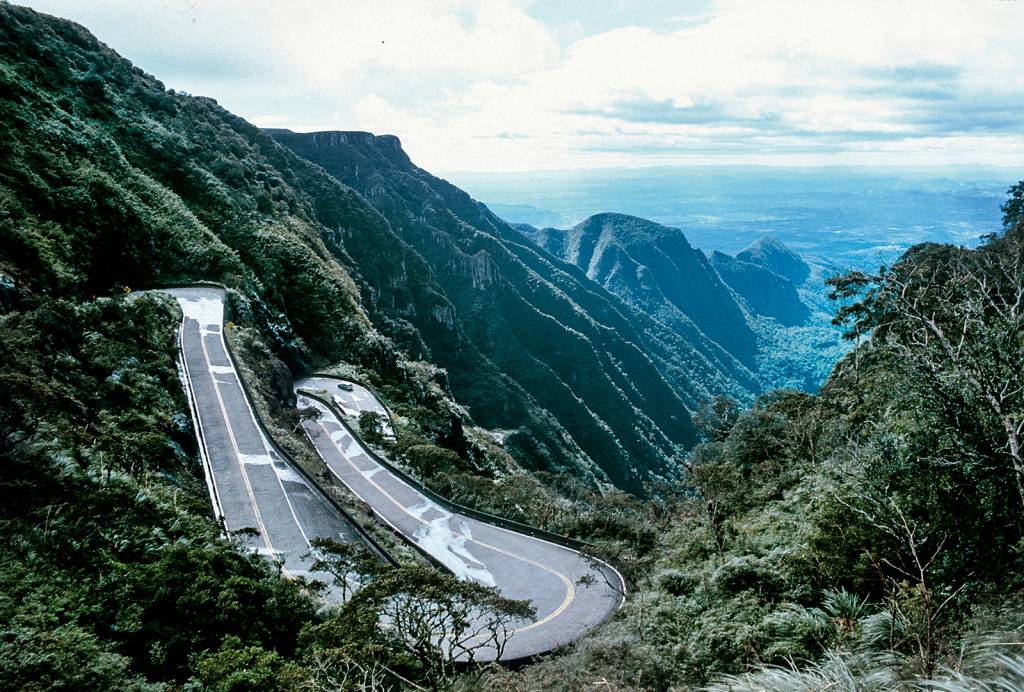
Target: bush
point(430, 460)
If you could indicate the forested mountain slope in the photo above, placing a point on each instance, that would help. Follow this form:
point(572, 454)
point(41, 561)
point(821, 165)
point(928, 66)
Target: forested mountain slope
point(744, 316)
point(594, 361)
point(765, 292)
point(654, 267)
point(774, 255)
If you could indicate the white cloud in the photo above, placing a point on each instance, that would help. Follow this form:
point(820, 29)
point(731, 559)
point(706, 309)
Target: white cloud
point(482, 85)
point(310, 43)
point(816, 80)
point(492, 38)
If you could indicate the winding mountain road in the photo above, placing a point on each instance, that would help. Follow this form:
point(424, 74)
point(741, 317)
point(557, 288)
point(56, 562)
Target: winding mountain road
point(571, 593)
point(252, 485)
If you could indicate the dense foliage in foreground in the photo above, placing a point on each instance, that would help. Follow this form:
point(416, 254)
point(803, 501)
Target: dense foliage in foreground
point(858, 536)
point(859, 539)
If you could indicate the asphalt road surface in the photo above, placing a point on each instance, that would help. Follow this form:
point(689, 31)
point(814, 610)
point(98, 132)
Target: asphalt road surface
point(353, 398)
point(570, 593)
point(251, 485)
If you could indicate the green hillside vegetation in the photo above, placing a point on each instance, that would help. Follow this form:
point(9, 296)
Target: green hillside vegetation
point(866, 538)
point(763, 291)
point(801, 356)
point(871, 534)
point(523, 328)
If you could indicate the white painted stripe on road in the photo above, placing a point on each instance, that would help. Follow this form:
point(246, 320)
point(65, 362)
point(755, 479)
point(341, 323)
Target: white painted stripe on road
point(569, 586)
point(255, 459)
point(234, 444)
point(377, 405)
point(204, 453)
point(250, 459)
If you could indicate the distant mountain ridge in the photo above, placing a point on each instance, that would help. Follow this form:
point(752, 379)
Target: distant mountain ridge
point(519, 330)
point(764, 291)
point(655, 268)
point(772, 326)
point(772, 254)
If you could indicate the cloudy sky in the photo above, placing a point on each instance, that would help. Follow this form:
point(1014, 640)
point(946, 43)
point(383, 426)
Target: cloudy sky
point(500, 85)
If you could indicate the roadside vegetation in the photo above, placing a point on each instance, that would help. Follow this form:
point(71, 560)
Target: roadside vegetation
point(865, 538)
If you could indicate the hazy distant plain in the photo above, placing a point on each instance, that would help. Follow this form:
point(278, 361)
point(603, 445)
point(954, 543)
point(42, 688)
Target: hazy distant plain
point(853, 218)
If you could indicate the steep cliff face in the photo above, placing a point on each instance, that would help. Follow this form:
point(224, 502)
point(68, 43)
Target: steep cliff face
point(771, 254)
point(742, 316)
point(655, 268)
point(764, 292)
point(109, 180)
point(527, 331)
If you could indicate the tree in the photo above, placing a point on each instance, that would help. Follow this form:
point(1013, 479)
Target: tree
point(716, 484)
point(67, 657)
point(916, 603)
point(349, 563)
point(236, 667)
point(295, 417)
point(371, 427)
point(716, 417)
point(437, 620)
point(430, 460)
point(956, 316)
point(1013, 208)
point(332, 669)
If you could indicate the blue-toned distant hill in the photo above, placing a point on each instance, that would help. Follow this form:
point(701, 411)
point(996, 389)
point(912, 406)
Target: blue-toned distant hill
point(771, 313)
point(774, 256)
point(764, 291)
point(654, 268)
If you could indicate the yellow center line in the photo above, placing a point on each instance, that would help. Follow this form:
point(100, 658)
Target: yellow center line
point(569, 586)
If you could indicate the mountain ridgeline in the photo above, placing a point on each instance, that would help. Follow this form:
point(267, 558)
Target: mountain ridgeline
point(773, 255)
point(735, 311)
point(518, 325)
point(654, 267)
point(608, 324)
point(764, 291)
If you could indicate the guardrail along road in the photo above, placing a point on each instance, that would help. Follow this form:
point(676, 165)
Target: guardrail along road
point(251, 484)
point(572, 594)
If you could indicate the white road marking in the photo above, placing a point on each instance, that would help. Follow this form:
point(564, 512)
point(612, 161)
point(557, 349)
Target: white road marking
point(569, 586)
